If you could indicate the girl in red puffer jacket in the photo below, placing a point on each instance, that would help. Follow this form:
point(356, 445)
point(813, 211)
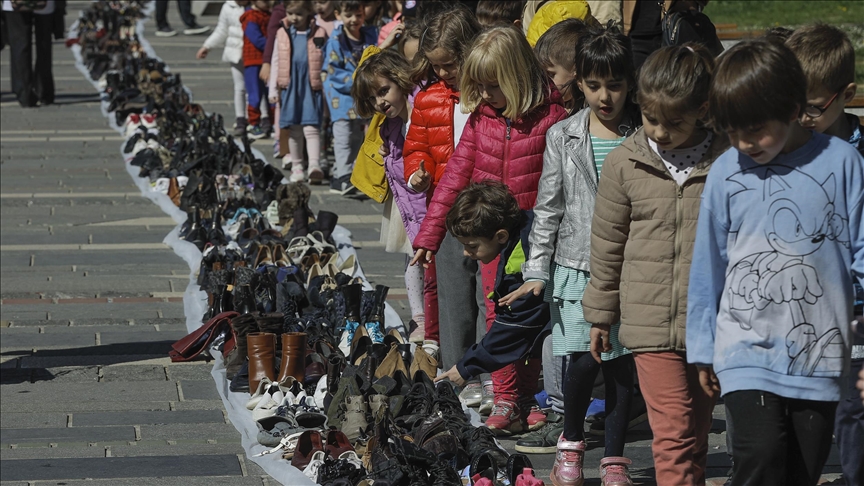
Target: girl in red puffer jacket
point(513, 106)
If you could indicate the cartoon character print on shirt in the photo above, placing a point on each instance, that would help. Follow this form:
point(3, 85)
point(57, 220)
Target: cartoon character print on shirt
point(782, 277)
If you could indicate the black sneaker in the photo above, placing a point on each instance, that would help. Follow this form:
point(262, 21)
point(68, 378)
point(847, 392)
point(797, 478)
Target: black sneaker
point(545, 439)
point(342, 185)
point(165, 32)
point(196, 29)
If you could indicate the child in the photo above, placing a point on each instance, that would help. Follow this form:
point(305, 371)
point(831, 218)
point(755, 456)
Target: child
point(343, 52)
point(780, 229)
point(297, 61)
point(487, 222)
point(512, 105)
point(828, 61)
point(555, 50)
point(491, 13)
point(325, 16)
point(437, 123)
point(229, 32)
point(576, 151)
point(254, 22)
point(382, 84)
point(644, 220)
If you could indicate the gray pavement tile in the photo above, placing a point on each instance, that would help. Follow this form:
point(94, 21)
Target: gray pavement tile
point(66, 394)
point(77, 312)
point(84, 419)
point(195, 432)
point(88, 323)
point(199, 390)
point(32, 420)
point(49, 359)
point(92, 258)
point(133, 373)
point(41, 341)
point(135, 449)
point(66, 435)
point(165, 481)
point(120, 467)
point(136, 336)
point(184, 373)
point(8, 405)
point(215, 404)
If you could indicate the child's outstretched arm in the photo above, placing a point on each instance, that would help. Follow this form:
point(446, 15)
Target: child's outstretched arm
point(256, 37)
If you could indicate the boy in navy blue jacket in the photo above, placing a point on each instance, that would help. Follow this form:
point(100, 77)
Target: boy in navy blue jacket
point(487, 220)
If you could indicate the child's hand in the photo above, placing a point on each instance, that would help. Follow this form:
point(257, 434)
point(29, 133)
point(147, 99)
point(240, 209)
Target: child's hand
point(422, 255)
point(600, 341)
point(264, 75)
point(273, 100)
point(535, 287)
point(861, 384)
point(391, 39)
point(383, 150)
point(709, 381)
point(421, 179)
point(453, 375)
point(202, 53)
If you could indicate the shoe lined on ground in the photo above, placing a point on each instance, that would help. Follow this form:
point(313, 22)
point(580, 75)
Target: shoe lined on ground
point(567, 468)
point(545, 439)
point(418, 334)
point(614, 471)
point(256, 133)
point(297, 172)
point(196, 29)
point(471, 394)
point(536, 418)
point(488, 399)
point(506, 418)
point(165, 32)
point(240, 126)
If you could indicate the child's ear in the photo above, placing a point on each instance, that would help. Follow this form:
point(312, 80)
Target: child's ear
point(501, 236)
point(849, 93)
point(703, 110)
point(518, 23)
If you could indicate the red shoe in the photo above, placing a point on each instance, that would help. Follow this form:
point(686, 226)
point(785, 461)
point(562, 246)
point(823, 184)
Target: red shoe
point(536, 418)
point(614, 471)
point(506, 418)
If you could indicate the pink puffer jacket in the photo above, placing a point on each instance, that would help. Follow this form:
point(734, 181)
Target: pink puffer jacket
point(496, 148)
point(316, 55)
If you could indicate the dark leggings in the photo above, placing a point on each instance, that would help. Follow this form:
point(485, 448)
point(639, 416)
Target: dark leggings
point(618, 375)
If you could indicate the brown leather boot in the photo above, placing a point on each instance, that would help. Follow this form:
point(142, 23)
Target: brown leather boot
point(293, 356)
point(262, 357)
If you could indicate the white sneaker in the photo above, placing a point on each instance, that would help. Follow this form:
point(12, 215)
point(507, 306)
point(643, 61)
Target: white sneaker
point(161, 185)
point(286, 161)
point(270, 401)
point(298, 174)
point(314, 465)
point(431, 348)
point(320, 390)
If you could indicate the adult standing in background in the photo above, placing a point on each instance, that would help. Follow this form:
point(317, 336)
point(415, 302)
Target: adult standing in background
point(163, 28)
point(31, 85)
point(642, 23)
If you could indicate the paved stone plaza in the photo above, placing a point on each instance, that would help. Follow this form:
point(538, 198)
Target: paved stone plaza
point(92, 300)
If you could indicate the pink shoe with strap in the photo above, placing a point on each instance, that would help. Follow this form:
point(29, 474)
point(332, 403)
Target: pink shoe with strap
point(567, 469)
point(614, 471)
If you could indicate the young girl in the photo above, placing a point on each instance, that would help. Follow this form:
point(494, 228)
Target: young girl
point(642, 238)
point(513, 104)
point(576, 151)
point(436, 125)
point(297, 60)
point(382, 84)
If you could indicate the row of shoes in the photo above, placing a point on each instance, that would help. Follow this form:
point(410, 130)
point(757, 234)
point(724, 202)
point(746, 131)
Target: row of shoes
point(335, 390)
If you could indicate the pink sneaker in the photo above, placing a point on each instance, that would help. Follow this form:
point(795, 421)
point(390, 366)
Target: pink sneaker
point(505, 418)
point(536, 418)
point(567, 469)
point(614, 471)
point(527, 478)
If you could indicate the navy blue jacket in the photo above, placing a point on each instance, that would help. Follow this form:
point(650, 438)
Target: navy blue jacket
point(519, 329)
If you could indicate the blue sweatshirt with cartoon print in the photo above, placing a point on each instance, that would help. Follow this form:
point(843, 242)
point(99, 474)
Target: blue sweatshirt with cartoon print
point(770, 287)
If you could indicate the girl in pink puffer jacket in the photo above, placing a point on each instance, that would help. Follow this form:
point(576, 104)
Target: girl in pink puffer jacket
point(513, 104)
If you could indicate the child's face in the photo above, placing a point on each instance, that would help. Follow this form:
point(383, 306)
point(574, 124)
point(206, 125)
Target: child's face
point(352, 20)
point(389, 98)
point(830, 104)
point(483, 249)
point(606, 97)
point(410, 48)
point(562, 77)
point(680, 132)
point(297, 17)
point(263, 5)
point(762, 142)
point(323, 8)
point(492, 94)
point(444, 66)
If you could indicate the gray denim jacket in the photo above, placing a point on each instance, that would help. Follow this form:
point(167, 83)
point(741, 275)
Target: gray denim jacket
point(565, 199)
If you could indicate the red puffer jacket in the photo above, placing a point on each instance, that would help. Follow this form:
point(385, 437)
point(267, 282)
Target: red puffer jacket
point(430, 136)
point(493, 147)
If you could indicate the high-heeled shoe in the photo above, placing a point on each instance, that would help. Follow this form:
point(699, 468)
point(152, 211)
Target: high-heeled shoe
point(280, 258)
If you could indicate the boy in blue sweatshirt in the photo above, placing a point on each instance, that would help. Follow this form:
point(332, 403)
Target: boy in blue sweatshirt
point(487, 221)
point(779, 240)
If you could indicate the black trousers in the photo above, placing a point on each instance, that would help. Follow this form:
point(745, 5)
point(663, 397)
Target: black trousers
point(644, 47)
point(777, 440)
point(28, 83)
point(185, 7)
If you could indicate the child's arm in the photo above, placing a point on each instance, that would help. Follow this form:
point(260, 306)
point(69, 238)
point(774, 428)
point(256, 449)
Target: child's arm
point(548, 211)
point(272, 87)
point(340, 75)
point(416, 149)
point(273, 26)
point(255, 36)
point(220, 33)
point(610, 230)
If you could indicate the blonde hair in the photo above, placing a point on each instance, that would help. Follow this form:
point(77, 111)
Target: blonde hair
point(385, 64)
point(502, 55)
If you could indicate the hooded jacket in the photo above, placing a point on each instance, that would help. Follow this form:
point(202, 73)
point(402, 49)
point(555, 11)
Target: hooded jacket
point(430, 136)
point(496, 148)
point(228, 33)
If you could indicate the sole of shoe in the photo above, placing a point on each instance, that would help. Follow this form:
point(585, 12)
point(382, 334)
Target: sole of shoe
point(536, 449)
point(537, 425)
point(197, 31)
point(160, 33)
point(256, 137)
point(316, 177)
point(516, 428)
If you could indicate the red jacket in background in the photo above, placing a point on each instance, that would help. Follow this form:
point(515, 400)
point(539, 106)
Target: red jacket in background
point(430, 135)
point(496, 148)
point(252, 56)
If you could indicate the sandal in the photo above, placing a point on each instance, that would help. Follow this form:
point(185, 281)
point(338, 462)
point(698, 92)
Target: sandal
point(299, 247)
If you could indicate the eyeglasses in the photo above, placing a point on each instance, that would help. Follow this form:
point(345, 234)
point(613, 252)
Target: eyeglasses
point(816, 111)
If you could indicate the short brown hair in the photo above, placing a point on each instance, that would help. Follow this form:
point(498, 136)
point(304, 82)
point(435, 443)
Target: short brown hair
point(386, 64)
point(826, 56)
point(756, 81)
point(482, 209)
point(675, 80)
point(453, 30)
point(558, 44)
point(497, 12)
point(343, 6)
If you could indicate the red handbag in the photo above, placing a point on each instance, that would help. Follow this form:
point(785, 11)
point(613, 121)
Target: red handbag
point(195, 343)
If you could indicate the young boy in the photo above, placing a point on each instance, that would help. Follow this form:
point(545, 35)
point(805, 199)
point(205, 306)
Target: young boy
point(487, 221)
point(780, 227)
point(828, 60)
point(492, 13)
point(556, 50)
point(254, 22)
point(341, 55)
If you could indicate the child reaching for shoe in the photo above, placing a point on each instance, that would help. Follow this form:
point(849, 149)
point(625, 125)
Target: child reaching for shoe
point(780, 238)
point(513, 104)
point(488, 223)
point(254, 22)
point(298, 57)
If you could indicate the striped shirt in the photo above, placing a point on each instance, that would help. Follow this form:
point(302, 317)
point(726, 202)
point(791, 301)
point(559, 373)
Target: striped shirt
point(602, 147)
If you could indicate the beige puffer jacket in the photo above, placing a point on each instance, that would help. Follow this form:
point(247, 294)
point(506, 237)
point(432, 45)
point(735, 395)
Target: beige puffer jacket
point(642, 239)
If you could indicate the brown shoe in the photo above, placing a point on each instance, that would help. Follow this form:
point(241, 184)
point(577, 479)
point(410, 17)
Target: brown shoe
point(308, 443)
point(337, 443)
point(293, 356)
point(424, 362)
point(391, 363)
point(262, 357)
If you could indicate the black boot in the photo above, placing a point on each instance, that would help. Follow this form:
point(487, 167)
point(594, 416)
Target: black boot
point(375, 325)
point(326, 223)
point(244, 297)
point(353, 294)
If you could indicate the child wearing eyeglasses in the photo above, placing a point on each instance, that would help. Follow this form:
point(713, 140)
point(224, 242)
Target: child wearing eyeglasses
point(828, 60)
